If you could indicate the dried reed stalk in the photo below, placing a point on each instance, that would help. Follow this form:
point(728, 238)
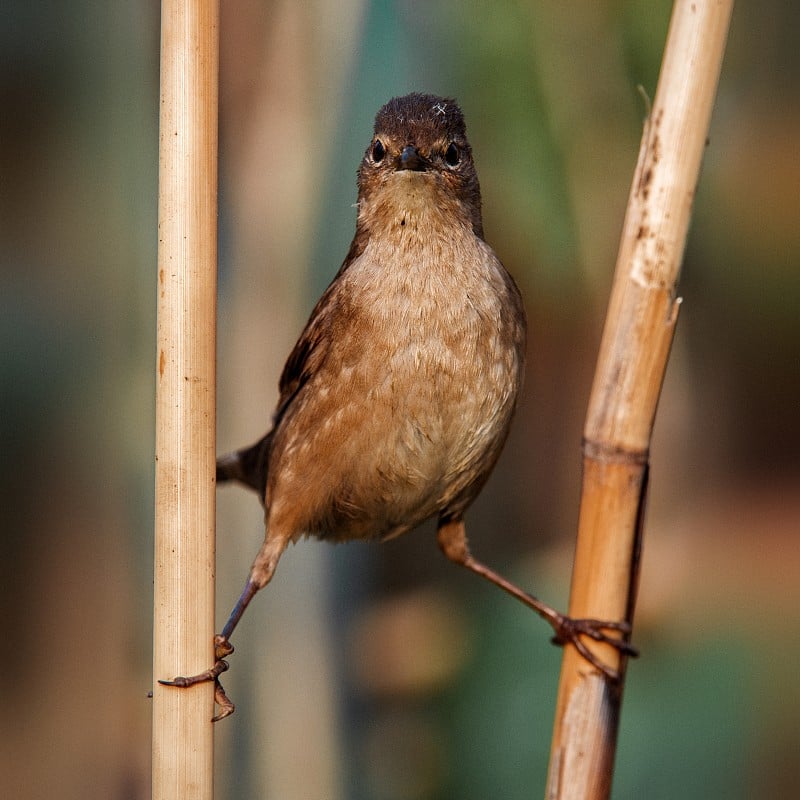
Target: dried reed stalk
point(185, 399)
point(630, 370)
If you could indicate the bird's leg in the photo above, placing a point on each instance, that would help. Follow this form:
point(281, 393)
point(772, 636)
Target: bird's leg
point(452, 539)
point(260, 575)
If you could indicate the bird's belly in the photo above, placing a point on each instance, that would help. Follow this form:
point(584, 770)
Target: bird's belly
point(419, 426)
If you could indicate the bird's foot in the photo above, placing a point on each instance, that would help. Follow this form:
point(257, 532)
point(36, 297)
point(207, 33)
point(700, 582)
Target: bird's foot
point(222, 648)
point(569, 631)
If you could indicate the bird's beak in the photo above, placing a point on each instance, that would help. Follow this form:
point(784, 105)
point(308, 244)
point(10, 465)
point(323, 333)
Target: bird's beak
point(411, 159)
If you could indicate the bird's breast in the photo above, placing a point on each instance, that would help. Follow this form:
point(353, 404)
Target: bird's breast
point(412, 402)
point(435, 364)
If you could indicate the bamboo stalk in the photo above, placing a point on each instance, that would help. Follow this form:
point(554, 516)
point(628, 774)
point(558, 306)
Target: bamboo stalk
point(633, 356)
point(185, 399)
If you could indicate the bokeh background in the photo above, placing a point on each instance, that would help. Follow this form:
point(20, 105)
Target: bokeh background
point(372, 672)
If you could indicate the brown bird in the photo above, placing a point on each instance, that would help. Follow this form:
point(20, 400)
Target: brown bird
point(397, 398)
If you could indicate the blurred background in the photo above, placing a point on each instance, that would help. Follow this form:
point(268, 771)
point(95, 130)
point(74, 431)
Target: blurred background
point(370, 672)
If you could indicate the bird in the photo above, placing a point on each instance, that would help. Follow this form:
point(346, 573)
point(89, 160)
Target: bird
point(397, 398)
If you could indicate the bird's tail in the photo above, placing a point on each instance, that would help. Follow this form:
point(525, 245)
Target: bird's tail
point(247, 466)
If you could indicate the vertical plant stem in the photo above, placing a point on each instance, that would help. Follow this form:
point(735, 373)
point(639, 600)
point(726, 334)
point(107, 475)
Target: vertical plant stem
point(185, 399)
point(633, 355)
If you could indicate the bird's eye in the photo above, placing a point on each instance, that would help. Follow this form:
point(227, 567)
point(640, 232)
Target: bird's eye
point(452, 155)
point(378, 151)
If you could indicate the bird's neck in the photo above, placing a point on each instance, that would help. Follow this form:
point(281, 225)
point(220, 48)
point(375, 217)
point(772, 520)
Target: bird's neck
point(412, 211)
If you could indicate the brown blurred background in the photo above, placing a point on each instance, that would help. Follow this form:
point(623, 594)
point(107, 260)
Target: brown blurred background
point(372, 672)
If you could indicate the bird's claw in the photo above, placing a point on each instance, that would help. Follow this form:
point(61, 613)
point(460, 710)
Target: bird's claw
point(226, 707)
point(222, 647)
point(569, 631)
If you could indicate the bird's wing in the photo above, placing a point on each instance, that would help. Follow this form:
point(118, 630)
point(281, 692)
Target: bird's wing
point(312, 346)
point(249, 465)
